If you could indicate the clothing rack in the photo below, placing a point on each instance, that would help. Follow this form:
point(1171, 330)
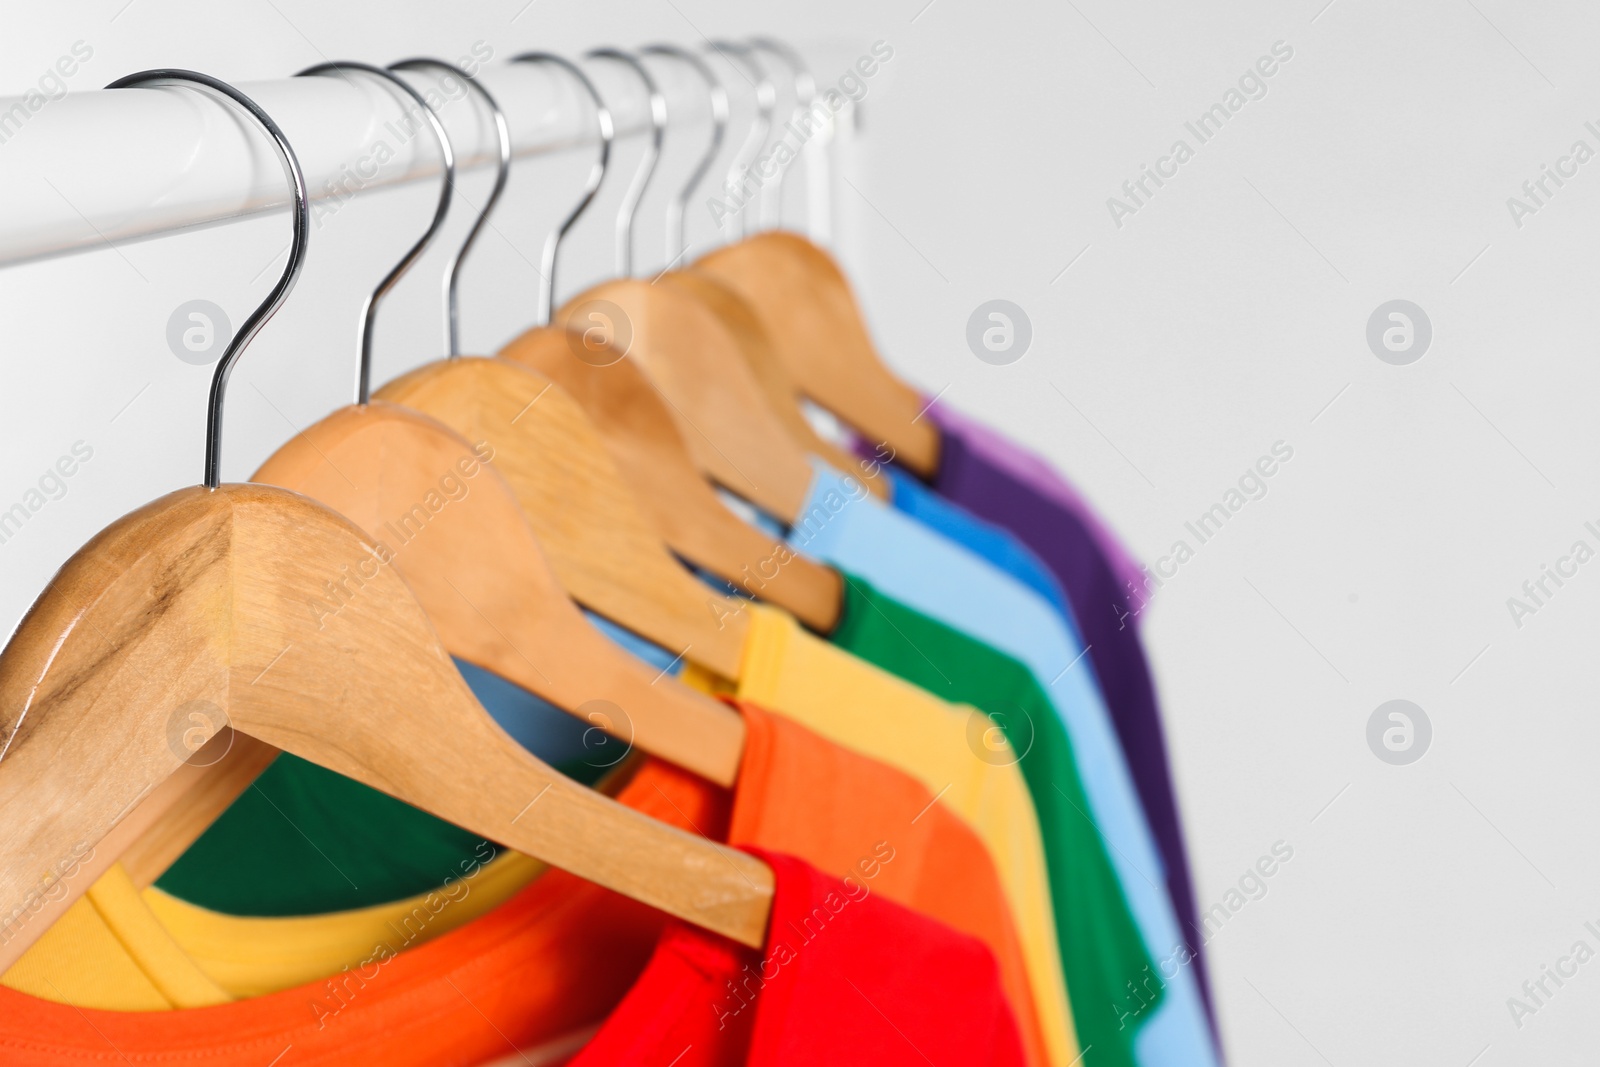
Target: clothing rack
point(199, 164)
point(481, 617)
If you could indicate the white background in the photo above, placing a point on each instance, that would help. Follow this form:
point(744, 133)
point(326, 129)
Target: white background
point(1227, 314)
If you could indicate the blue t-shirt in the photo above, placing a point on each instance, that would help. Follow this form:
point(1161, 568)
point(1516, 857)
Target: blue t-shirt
point(555, 736)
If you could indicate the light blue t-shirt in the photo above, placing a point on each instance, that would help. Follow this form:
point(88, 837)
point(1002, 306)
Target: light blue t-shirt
point(841, 523)
point(986, 539)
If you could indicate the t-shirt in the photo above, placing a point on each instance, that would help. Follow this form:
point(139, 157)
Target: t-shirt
point(988, 541)
point(303, 840)
point(846, 978)
point(851, 816)
point(1033, 473)
point(859, 707)
point(119, 949)
point(1101, 948)
point(1016, 490)
point(841, 523)
point(109, 951)
point(797, 793)
point(539, 972)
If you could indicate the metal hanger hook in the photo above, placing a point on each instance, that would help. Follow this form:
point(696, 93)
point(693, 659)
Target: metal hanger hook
point(647, 165)
point(291, 271)
point(597, 174)
point(760, 126)
point(677, 211)
point(805, 92)
point(502, 173)
point(370, 309)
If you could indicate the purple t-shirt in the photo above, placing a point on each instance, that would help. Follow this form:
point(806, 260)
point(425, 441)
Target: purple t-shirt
point(1011, 488)
point(1037, 475)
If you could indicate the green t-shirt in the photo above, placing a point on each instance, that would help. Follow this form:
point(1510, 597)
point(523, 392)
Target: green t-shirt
point(303, 840)
point(1101, 947)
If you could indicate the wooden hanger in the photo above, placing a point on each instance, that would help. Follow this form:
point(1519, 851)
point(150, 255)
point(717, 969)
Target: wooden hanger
point(479, 570)
point(202, 599)
point(777, 384)
point(809, 312)
point(595, 535)
point(736, 317)
point(729, 429)
point(598, 541)
point(176, 812)
point(802, 298)
point(462, 542)
point(150, 837)
point(208, 598)
point(643, 438)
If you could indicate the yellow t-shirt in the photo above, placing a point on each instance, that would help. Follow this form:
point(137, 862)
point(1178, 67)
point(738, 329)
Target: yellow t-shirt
point(119, 949)
point(108, 951)
point(854, 704)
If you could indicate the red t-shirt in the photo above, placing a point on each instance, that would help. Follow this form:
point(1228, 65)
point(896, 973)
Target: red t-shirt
point(846, 978)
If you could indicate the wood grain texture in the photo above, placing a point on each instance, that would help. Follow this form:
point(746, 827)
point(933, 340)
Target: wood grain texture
point(216, 599)
point(816, 326)
point(643, 437)
point(596, 536)
point(152, 836)
point(730, 428)
point(460, 539)
point(172, 813)
point(777, 384)
point(115, 653)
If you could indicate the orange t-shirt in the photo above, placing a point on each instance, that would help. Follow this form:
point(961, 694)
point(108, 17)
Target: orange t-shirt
point(543, 969)
point(850, 816)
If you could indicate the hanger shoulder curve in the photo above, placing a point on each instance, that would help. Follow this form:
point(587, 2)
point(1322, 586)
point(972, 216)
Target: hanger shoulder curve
point(644, 439)
point(740, 320)
point(596, 538)
point(206, 602)
point(726, 420)
point(461, 540)
point(817, 328)
point(124, 645)
point(777, 384)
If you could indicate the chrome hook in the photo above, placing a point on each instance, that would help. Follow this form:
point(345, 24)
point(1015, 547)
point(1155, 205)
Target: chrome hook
point(597, 174)
point(760, 126)
point(502, 173)
point(370, 309)
point(805, 93)
point(677, 211)
point(647, 165)
point(291, 272)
